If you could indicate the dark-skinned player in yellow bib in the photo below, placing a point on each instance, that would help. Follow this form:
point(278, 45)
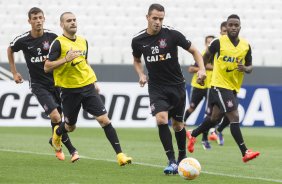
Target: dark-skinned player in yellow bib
point(234, 58)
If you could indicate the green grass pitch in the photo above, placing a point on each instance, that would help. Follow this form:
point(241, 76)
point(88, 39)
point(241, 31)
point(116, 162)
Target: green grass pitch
point(26, 157)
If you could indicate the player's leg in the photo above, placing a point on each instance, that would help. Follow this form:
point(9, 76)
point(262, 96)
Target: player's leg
point(166, 140)
point(180, 136)
point(56, 116)
point(224, 123)
point(206, 93)
point(112, 136)
point(93, 104)
point(196, 96)
point(233, 117)
point(208, 123)
point(50, 101)
point(71, 105)
point(178, 93)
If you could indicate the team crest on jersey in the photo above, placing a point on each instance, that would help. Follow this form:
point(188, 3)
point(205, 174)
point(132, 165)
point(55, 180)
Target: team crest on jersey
point(153, 107)
point(46, 45)
point(163, 43)
point(229, 104)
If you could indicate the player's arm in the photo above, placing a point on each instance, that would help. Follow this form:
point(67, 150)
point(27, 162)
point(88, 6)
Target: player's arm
point(187, 45)
point(54, 53)
point(140, 71)
point(137, 64)
point(208, 57)
point(16, 75)
point(199, 60)
point(193, 69)
point(248, 67)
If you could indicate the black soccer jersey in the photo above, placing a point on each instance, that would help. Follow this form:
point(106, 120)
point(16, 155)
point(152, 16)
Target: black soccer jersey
point(161, 55)
point(35, 52)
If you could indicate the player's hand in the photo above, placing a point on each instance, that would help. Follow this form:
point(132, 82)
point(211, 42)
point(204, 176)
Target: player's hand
point(72, 54)
point(201, 77)
point(241, 67)
point(18, 78)
point(142, 80)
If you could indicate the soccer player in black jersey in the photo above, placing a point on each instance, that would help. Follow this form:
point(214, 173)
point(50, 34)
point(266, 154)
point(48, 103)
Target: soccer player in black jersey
point(233, 59)
point(68, 61)
point(35, 46)
point(158, 44)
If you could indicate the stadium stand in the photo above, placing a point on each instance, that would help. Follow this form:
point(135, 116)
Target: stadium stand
point(109, 25)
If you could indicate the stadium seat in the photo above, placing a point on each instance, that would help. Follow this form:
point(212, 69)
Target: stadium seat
point(112, 23)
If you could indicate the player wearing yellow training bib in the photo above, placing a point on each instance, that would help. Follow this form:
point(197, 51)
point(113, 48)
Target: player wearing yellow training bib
point(234, 58)
point(198, 92)
point(68, 59)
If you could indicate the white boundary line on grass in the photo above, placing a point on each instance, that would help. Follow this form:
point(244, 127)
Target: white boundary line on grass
point(150, 165)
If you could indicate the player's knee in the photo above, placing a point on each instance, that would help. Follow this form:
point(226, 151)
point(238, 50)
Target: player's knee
point(56, 118)
point(103, 120)
point(70, 128)
point(161, 120)
point(177, 126)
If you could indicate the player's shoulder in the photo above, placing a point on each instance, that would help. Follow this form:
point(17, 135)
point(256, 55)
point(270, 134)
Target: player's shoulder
point(215, 41)
point(171, 29)
point(21, 38)
point(139, 35)
point(50, 32)
point(81, 37)
point(244, 40)
point(168, 28)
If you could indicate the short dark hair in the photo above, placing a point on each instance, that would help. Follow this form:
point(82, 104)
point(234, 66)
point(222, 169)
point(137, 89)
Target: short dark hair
point(61, 17)
point(223, 24)
point(233, 16)
point(34, 10)
point(209, 36)
point(155, 7)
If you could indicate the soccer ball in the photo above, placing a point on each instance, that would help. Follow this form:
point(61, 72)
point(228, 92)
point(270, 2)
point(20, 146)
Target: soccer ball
point(189, 168)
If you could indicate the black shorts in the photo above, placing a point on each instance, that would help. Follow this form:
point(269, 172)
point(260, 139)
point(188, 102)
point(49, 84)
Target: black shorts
point(49, 98)
point(171, 98)
point(225, 99)
point(196, 96)
point(87, 96)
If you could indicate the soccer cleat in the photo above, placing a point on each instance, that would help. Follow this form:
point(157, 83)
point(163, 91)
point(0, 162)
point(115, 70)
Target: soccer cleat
point(123, 159)
point(74, 157)
point(191, 141)
point(172, 168)
point(220, 139)
point(60, 155)
point(206, 145)
point(249, 155)
point(213, 136)
point(56, 140)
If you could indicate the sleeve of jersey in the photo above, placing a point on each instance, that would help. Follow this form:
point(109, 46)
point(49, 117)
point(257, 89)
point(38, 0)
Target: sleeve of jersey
point(15, 45)
point(54, 51)
point(214, 46)
point(249, 58)
point(135, 50)
point(181, 40)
